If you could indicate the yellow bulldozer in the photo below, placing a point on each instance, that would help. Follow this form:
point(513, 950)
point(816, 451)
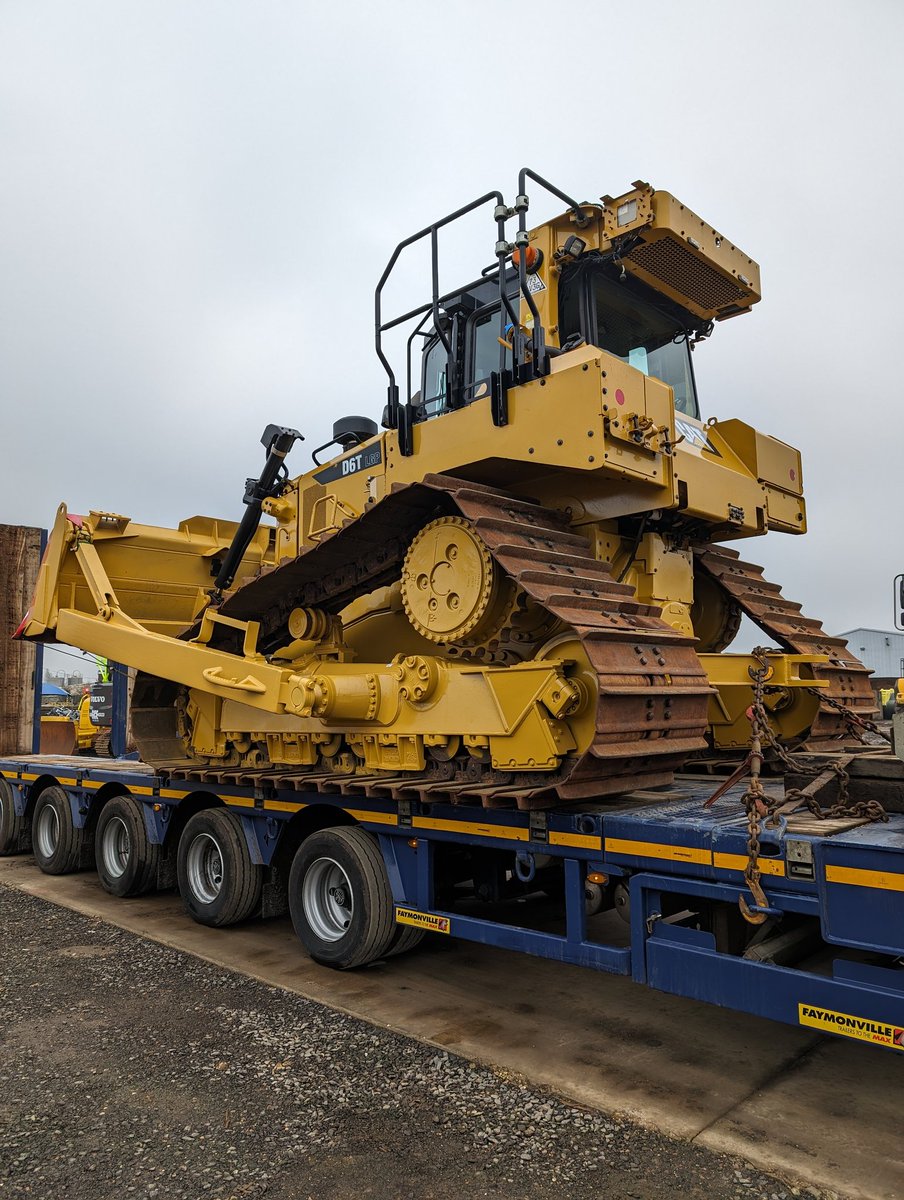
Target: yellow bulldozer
point(516, 592)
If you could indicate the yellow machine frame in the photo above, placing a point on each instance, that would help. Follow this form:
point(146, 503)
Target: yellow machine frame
point(594, 439)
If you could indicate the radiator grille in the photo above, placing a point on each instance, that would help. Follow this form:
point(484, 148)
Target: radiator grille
point(680, 269)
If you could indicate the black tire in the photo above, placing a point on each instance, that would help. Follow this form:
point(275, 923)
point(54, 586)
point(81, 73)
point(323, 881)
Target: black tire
point(405, 938)
point(340, 899)
point(14, 837)
point(56, 843)
point(127, 859)
point(218, 882)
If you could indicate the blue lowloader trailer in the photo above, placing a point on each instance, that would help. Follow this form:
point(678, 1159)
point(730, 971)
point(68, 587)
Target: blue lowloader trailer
point(365, 876)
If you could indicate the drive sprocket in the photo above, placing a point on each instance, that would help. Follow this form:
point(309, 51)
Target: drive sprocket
point(452, 590)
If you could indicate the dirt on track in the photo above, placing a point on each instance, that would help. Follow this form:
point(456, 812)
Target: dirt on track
point(131, 1069)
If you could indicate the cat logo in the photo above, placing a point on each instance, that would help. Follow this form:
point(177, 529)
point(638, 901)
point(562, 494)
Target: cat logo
point(696, 436)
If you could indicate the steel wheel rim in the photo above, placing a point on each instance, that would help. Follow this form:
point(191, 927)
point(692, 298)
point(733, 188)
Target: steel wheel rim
point(204, 864)
point(327, 899)
point(47, 831)
point(116, 847)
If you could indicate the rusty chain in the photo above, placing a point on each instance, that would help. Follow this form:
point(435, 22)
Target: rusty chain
point(851, 719)
point(764, 811)
point(757, 804)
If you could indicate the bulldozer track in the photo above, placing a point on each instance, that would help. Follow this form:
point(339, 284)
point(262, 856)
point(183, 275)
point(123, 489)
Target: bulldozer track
point(652, 691)
point(783, 620)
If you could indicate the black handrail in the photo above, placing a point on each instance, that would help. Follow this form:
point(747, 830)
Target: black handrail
point(431, 232)
point(538, 364)
point(538, 336)
point(418, 331)
point(487, 273)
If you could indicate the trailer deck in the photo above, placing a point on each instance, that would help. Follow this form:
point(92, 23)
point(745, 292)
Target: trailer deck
point(835, 889)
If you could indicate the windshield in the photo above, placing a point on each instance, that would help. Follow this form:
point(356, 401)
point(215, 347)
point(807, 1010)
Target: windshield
point(671, 363)
point(632, 329)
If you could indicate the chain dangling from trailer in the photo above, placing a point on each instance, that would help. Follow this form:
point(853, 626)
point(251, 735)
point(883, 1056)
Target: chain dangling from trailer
point(764, 811)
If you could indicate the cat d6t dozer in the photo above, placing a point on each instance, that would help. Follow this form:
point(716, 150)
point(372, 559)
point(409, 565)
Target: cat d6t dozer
point(515, 594)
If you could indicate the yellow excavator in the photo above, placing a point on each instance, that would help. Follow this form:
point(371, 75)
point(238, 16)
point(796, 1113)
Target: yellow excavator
point(514, 593)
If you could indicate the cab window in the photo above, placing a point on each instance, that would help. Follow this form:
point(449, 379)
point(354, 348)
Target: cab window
point(483, 342)
point(473, 330)
point(609, 315)
point(433, 396)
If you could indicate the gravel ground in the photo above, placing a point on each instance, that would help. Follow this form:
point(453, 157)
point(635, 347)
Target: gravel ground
point(129, 1069)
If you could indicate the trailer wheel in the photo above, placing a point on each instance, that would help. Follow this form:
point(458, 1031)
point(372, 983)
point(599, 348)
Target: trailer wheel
point(340, 899)
point(405, 938)
point(126, 857)
point(218, 882)
point(56, 843)
point(13, 828)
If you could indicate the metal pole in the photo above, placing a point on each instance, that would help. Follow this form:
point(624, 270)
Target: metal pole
point(38, 678)
point(120, 680)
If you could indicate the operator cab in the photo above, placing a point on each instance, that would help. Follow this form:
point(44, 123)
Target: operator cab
point(626, 318)
point(622, 316)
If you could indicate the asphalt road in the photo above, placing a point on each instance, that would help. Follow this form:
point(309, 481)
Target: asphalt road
point(128, 1068)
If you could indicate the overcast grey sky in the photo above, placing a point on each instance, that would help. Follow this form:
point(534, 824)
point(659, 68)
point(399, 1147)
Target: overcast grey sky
point(197, 199)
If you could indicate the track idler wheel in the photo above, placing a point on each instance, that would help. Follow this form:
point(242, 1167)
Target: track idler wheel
point(582, 714)
point(716, 618)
